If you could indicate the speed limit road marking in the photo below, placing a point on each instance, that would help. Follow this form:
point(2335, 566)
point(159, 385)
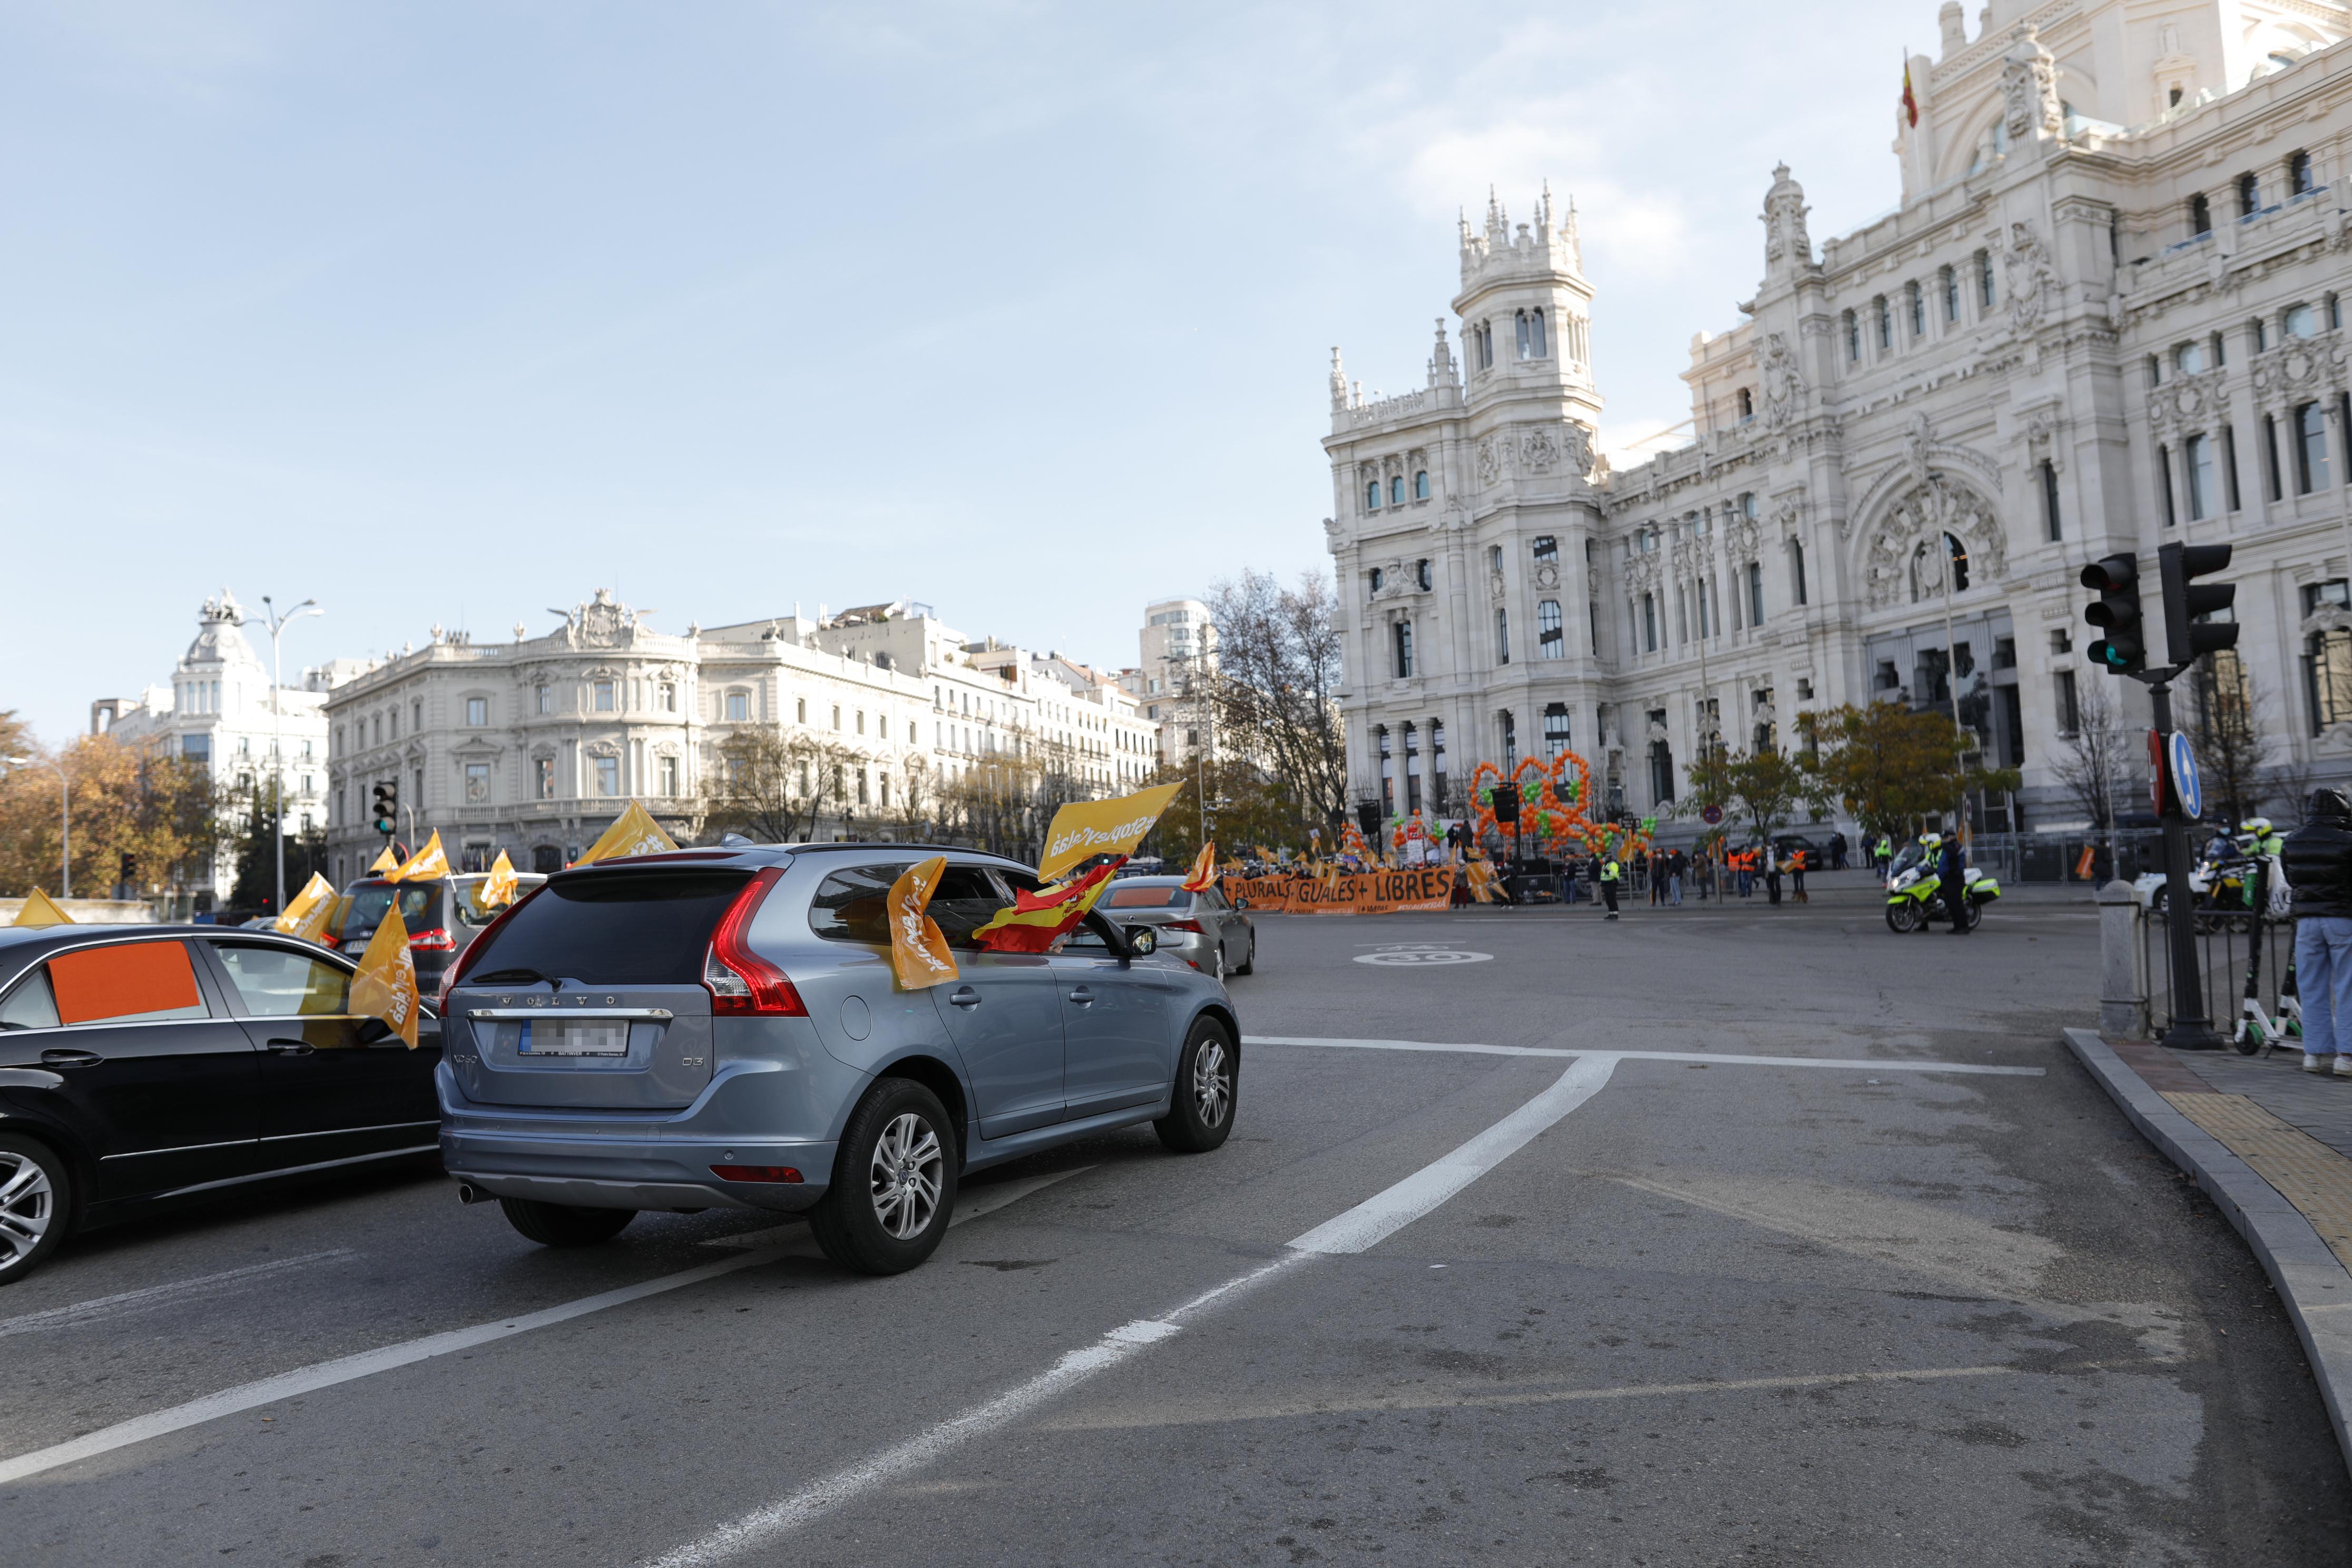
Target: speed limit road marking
point(1423, 956)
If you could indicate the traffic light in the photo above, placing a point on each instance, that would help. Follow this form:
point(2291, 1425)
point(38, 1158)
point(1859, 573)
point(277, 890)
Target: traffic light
point(387, 806)
point(2123, 650)
point(1507, 804)
point(1368, 818)
point(2186, 600)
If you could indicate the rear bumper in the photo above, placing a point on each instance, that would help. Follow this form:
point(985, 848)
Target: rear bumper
point(602, 1160)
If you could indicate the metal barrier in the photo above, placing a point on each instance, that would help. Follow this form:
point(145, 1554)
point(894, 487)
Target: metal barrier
point(2225, 944)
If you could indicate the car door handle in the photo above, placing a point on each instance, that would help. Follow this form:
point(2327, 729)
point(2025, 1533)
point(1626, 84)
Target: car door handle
point(289, 1048)
point(964, 997)
point(58, 1058)
point(1081, 995)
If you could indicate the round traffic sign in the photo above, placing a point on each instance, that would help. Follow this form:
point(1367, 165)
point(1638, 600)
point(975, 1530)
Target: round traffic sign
point(1710, 814)
point(2185, 788)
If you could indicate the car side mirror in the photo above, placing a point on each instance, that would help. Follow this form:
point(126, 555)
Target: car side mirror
point(1142, 941)
point(1241, 903)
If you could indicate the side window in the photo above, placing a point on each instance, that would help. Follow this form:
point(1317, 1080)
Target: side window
point(274, 983)
point(1213, 899)
point(851, 905)
point(129, 983)
point(31, 1006)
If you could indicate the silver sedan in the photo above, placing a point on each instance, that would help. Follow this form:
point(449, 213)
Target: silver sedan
point(1207, 930)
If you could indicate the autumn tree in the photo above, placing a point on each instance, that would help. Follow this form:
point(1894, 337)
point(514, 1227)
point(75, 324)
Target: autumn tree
point(1889, 765)
point(143, 820)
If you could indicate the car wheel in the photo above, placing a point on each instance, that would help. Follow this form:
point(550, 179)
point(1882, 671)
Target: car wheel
point(893, 1182)
point(1248, 966)
point(36, 1201)
point(1200, 1112)
point(564, 1225)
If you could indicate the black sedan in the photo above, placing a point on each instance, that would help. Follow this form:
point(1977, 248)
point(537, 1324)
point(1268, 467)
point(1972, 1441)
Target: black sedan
point(148, 1066)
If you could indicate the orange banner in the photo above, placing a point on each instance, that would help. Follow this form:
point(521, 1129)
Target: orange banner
point(1421, 889)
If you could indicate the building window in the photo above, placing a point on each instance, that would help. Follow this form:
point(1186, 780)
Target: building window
point(1412, 768)
point(1377, 579)
point(2250, 195)
point(1502, 634)
point(1421, 484)
point(1549, 635)
point(1555, 730)
point(1755, 592)
point(477, 784)
point(2271, 473)
point(2050, 500)
point(739, 707)
point(1797, 571)
point(1885, 317)
point(1372, 495)
point(1661, 765)
point(604, 696)
point(1420, 574)
point(477, 712)
point(1510, 730)
point(1747, 405)
point(1388, 772)
point(2310, 450)
point(1545, 548)
point(2164, 475)
point(1396, 490)
point(861, 721)
point(2189, 358)
point(2070, 705)
point(800, 706)
point(1917, 305)
point(1649, 623)
point(1984, 280)
point(546, 699)
point(2327, 678)
point(543, 777)
point(1950, 279)
point(2229, 465)
point(2197, 460)
point(1853, 338)
point(837, 713)
point(608, 777)
point(668, 696)
point(2301, 322)
point(668, 767)
point(2200, 222)
point(1404, 650)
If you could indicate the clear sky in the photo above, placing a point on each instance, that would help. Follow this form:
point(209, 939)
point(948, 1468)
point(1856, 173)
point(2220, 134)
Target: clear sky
point(455, 313)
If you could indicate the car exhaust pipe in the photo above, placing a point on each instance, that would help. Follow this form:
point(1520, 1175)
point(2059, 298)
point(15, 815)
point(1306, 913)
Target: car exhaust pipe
point(469, 1193)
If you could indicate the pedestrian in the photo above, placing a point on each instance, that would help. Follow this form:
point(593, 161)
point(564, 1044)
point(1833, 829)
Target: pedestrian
point(1951, 879)
point(1610, 872)
point(1797, 875)
point(1837, 851)
point(1653, 867)
point(1882, 852)
point(1675, 863)
point(2317, 860)
point(1745, 863)
point(1771, 879)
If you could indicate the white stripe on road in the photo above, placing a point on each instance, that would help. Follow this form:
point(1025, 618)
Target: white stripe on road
point(791, 1240)
point(1721, 1058)
point(101, 1308)
point(1364, 1225)
point(971, 1203)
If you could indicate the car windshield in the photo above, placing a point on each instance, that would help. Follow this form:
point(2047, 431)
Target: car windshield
point(1122, 897)
point(420, 908)
point(618, 928)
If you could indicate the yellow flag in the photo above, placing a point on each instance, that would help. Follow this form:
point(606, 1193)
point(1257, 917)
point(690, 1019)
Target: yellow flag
point(634, 832)
point(1089, 827)
point(385, 862)
point(306, 917)
point(1204, 875)
point(425, 864)
point(919, 949)
point(501, 888)
point(385, 986)
point(40, 910)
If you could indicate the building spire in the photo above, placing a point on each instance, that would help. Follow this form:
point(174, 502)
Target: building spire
point(1339, 382)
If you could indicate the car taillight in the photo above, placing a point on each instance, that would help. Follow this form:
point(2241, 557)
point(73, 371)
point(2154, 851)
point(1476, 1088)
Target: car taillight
point(434, 941)
point(455, 975)
point(1193, 926)
point(739, 980)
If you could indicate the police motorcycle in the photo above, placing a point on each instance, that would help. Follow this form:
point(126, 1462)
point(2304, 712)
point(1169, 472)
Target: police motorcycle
point(1915, 894)
point(2216, 884)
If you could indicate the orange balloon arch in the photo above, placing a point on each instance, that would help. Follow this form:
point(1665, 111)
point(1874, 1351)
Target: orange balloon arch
point(1555, 801)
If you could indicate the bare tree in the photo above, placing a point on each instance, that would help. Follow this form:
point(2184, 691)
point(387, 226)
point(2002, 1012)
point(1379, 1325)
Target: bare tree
point(2093, 761)
point(1274, 693)
point(776, 788)
point(2232, 748)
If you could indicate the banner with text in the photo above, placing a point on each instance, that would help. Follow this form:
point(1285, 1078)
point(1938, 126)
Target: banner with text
point(1422, 889)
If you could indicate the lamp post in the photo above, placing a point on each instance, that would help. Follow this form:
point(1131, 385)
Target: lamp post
point(65, 819)
point(278, 624)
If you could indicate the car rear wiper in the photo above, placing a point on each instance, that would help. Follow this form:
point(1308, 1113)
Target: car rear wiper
point(495, 976)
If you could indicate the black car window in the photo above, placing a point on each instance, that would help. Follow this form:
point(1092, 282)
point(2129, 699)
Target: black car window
point(274, 983)
point(851, 905)
point(1090, 935)
point(420, 909)
point(32, 1006)
point(612, 928)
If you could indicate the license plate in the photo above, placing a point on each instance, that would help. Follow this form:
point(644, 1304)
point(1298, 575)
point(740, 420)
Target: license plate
point(576, 1038)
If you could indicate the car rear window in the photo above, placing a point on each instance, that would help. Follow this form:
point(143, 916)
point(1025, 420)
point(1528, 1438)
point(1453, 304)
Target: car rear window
point(420, 908)
point(850, 905)
point(622, 928)
point(1121, 898)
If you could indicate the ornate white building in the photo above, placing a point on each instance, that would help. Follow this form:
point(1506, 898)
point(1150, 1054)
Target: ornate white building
point(217, 709)
point(533, 746)
point(2105, 317)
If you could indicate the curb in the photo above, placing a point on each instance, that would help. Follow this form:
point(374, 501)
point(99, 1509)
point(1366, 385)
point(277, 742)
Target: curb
point(2312, 1284)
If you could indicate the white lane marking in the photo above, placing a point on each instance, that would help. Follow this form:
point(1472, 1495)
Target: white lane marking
point(101, 1308)
point(1874, 1064)
point(970, 1204)
point(1369, 1222)
point(1383, 1214)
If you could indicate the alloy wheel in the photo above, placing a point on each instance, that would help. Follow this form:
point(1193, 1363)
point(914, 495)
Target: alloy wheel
point(905, 1174)
point(27, 1206)
point(1212, 1094)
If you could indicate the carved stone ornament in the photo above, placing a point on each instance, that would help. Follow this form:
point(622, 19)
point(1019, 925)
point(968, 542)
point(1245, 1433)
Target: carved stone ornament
point(2029, 88)
point(1784, 221)
point(1334, 533)
point(2032, 279)
point(2297, 369)
point(2192, 403)
point(602, 622)
point(1784, 384)
point(1491, 461)
point(1657, 730)
point(1495, 587)
point(1787, 513)
point(1540, 448)
point(1548, 576)
point(1940, 506)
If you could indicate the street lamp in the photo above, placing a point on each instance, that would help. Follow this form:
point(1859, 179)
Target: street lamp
point(278, 624)
point(65, 820)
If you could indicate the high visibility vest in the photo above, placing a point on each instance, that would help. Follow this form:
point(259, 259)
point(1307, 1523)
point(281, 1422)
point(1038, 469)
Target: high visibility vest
point(1609, 870)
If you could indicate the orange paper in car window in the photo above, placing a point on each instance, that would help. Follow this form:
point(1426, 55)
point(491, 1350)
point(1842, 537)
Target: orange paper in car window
point(116, 981)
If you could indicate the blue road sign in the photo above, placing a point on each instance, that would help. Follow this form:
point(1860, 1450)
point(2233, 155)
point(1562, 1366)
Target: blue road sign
point(2185, 788)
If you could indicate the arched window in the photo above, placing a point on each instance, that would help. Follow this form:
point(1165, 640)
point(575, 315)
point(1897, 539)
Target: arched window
point(1396, 489)
point(1950, 279)
point(1853, 338)
point(1421, 484)
point(1373, 496)
point(1404, 650)
point(2200, 215)
point(1747, 505)
point(1550, 639)
point(1542, 338)
point(1747, 405)
point(1527, 342)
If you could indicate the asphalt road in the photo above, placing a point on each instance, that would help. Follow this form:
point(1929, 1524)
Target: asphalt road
point(1664, 1307)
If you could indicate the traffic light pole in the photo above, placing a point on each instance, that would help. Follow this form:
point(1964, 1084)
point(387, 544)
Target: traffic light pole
point(2191, 1030)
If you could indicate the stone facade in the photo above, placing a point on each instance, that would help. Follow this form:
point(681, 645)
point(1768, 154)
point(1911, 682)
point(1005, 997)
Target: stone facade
point(1177, 639)
point(2105, 317)
point(535, 745)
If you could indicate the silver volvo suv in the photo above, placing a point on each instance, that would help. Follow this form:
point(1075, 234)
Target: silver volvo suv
point(720, 1027)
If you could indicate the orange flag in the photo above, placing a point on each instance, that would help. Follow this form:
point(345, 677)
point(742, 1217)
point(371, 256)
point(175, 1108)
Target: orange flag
point(306, 917)
point(40, 910)
point(1036, 919)
point(426, 864)
point(499, 890)
point(385, 862)
point(919, 949)
point(1204, 875)
point(385, 986)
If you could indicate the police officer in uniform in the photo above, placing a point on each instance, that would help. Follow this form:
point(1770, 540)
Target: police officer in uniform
point(1610, 873)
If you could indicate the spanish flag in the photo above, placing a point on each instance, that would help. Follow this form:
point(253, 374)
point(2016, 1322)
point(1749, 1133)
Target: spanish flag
point(1910, 103)
point(1204, 875)
point(1036, 919)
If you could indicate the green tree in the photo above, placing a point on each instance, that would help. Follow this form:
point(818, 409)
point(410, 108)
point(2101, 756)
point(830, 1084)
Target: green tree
point(1889, 765)
point(1765, 787)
